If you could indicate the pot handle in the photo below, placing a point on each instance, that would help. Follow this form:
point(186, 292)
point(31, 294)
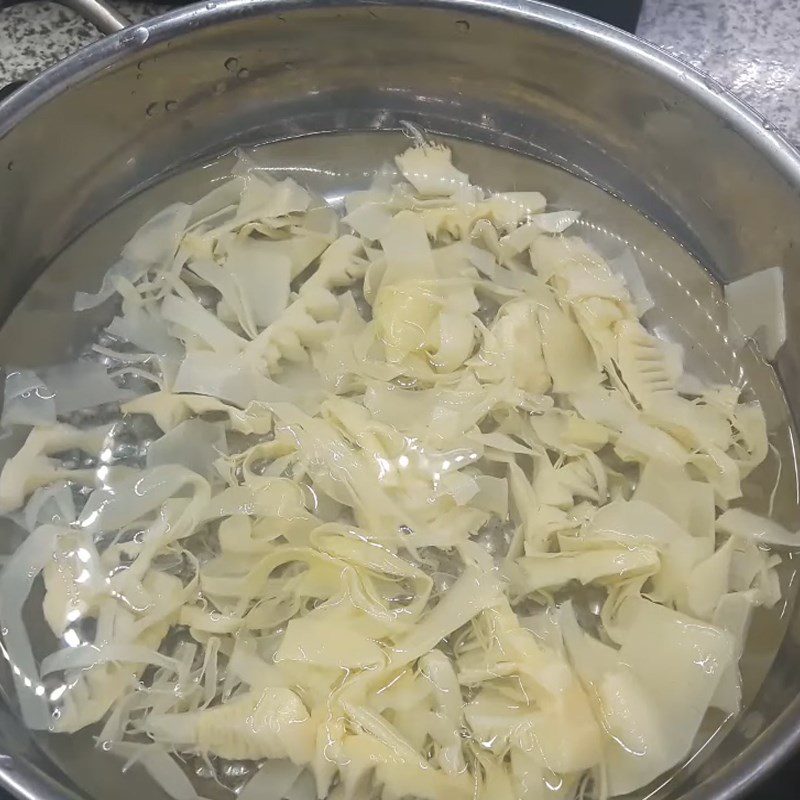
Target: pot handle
point(103, 16)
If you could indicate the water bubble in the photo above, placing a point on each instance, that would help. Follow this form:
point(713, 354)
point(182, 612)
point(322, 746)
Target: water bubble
point(204, 771)
point(211, 6)
point(10, 166)
point(136, 36)
point(243, 73)
point(170, 105)
point(106, 745)
point(152, 109)
point(236, 769)
point(462, 25)
point(231, 64)
point(220, 87)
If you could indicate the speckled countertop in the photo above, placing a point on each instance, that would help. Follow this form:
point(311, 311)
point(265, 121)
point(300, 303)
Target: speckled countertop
point(750, 46)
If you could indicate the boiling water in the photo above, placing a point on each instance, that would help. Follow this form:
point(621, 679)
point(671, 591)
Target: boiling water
point(689, 310)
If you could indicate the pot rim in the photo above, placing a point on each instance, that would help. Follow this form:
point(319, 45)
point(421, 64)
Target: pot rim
point(775, 744)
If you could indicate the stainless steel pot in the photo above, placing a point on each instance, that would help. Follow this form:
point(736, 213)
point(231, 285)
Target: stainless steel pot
point(518, 75)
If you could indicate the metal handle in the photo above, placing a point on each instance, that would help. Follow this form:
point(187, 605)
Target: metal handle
point(105, 18)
